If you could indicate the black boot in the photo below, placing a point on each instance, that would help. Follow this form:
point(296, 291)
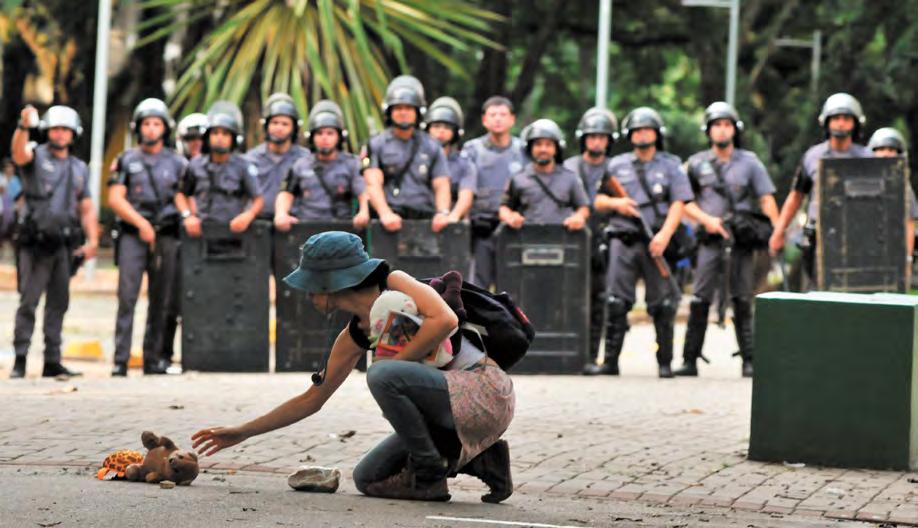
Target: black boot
point(598, 312)
point(155, 366)
point(492, 466)
point(592, 369)
point(120, 370)
point(694, 337)
point(742, 324)
point(616, 328)
point(663, 320)
point(53, 370)
point(747, 369)
point(18, 368)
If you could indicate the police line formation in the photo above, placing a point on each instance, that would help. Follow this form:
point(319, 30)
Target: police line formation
point(419, 169)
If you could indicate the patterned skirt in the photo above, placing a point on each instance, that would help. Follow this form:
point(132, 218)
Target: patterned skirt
point(482, 401)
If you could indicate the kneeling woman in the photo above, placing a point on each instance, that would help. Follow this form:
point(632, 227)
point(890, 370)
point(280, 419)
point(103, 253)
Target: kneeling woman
point(446, 421)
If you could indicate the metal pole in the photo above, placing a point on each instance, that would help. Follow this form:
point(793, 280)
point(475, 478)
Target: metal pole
point(732, 46)
point(602, 52)
point(99, 97)
point(814, 67)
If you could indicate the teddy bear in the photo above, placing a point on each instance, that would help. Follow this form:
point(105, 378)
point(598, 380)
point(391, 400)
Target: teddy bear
point(163, 461)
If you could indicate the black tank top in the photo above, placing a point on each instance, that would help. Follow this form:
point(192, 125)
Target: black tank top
point(353, 327)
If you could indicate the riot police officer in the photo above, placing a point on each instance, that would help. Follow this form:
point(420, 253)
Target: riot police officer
point(217, 185)
point(657, 189)
point(728, 183)
point(888, 142)
point(323, 186)
point(842, 120)
point(190, 134)
point(496, 156)
point(444, 123)
point(545, 191)
point(281, 123)
point(142, 195)
point(596, 133)
point(405, 170)
point(50, 247)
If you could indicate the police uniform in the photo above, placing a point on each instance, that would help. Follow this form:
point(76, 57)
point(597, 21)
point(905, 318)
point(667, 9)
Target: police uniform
point(494, 166)
point(272, 170)
point(411, 196)
point(324, 190)
point(804, 180)
point(629, 258)
point(591, 176)
point(527, 197)
point(150, 181)
point(746, 179)
point(220, 190)
point(462, 173)
point(53, 188)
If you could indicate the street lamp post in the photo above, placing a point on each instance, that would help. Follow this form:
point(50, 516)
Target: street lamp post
point(732, 44)
point(602, 52)
point(815, 44)
point(99, 97)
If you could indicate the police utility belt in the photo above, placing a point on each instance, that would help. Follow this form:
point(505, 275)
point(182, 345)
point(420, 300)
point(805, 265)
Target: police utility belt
point(748, 229)
point(168, 226)
point(31, 234)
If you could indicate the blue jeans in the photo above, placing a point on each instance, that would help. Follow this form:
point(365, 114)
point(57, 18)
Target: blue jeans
point(414, 398)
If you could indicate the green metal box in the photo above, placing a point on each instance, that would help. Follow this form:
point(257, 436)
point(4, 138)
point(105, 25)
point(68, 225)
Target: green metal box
point(835, 380)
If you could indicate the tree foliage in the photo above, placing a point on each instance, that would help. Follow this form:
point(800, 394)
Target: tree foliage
point(540, 53)
point(344, 50)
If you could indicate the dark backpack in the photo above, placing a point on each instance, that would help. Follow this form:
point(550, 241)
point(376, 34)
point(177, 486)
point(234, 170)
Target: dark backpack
point(492, 320)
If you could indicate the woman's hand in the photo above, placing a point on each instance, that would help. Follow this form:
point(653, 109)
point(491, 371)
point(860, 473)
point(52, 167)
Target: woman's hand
point(213, 439)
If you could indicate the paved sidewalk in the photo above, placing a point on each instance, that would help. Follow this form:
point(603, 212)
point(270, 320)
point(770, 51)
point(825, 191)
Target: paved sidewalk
point(672, 443)
point(634, 438)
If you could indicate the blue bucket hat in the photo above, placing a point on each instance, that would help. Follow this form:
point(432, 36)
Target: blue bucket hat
point(332, 261)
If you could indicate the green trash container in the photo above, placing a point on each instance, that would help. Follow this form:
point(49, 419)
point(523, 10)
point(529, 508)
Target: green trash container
point(835, 380)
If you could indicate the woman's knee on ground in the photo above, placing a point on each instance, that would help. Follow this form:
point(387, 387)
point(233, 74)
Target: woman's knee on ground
point(363, 475)
point(372, 469)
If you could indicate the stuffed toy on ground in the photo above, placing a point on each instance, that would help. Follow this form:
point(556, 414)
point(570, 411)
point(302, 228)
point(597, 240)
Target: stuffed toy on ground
point(163, 461)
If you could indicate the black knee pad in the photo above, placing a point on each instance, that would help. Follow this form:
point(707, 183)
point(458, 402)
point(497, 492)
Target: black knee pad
point(698, 303)
point(663, 311)
point(742, 306)
point(617, 306)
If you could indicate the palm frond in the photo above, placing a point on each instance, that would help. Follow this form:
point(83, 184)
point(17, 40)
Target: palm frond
point(314, 49)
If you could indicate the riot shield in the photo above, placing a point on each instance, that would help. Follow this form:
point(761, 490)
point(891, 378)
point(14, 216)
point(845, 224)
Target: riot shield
point(545, 269)
point(225, 300)
point(304, 334)
point(860, 230)
point(420, 252)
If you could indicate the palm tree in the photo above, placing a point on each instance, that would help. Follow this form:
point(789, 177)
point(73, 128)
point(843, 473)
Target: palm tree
point(314, 49)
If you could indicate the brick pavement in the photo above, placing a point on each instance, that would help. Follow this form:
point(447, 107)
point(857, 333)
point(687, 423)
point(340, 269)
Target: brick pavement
point(634, 438)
